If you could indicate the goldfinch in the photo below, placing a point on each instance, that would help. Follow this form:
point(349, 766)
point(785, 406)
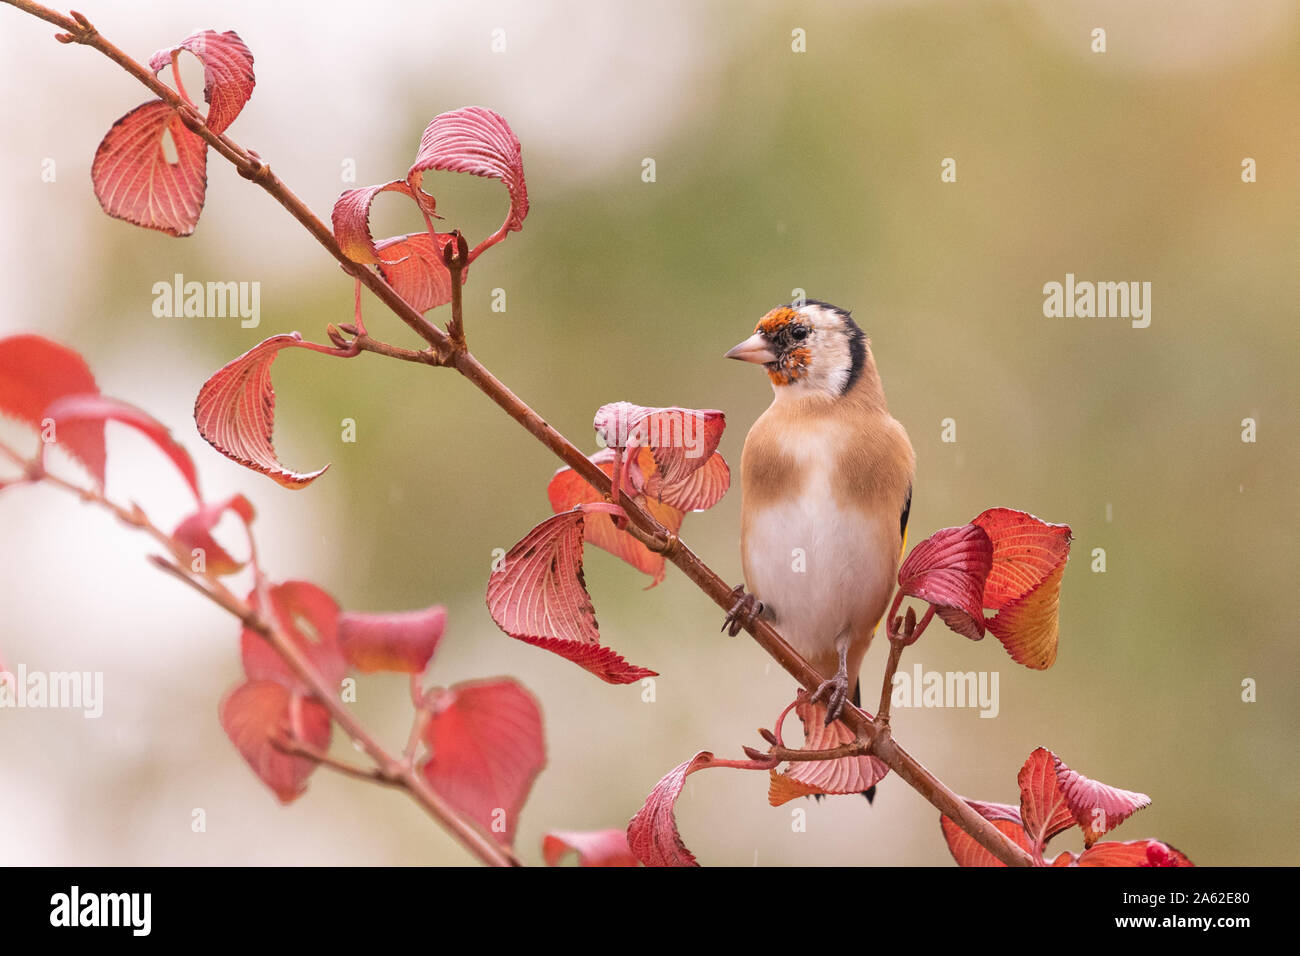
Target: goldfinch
point(826, 486)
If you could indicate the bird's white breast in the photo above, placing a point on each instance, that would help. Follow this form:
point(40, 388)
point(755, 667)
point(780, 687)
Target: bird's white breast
point(822, 568)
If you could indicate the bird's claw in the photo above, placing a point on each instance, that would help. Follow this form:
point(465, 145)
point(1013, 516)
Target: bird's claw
point(835, 691)
point(743, 612)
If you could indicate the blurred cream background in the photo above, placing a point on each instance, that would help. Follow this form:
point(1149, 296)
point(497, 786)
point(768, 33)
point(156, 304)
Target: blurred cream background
point(775, 171)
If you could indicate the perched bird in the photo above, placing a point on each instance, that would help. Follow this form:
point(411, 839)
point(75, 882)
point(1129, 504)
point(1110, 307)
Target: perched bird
point(826, 480)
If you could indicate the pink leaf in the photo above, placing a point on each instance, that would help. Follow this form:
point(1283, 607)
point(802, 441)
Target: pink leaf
point(307, 617)
point(351, 220)
point(235, 412)
point(594, 848)
point(413, 266)
point(948, 570)
point(152, 171)
point(34, 372)
point(227, 73)
point(487, 749)
point(195, 533)
point(682, 440)
point(1098, 808)
point(403, 641)
point(964, 847)
point(699, 491)
point(808, 777)
point(256, 713)
point(1135, 853)
point(539, 597)
point(74, 409)
point(652, 833)
point(1042, 804)
point(480, 142)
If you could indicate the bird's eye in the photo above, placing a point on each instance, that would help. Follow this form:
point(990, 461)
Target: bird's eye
point(799, 333)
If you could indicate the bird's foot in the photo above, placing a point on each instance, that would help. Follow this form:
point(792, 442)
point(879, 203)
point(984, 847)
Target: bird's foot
point(744, 611)
point(835, 691)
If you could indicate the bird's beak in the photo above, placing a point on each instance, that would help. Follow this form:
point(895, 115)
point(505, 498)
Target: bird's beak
point(754, 349)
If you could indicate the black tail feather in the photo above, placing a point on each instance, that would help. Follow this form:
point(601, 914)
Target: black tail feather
point(870, 792)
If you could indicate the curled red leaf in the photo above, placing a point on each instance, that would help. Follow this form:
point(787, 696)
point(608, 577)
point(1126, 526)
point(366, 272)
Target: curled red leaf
point(1043, 806)
point(700, 490)
point(681, 440)
point(539, 596)
point(593, 847)
point(152, 171)
point(351, 220)
point(652, 833)
point(34, 372)
point(480, 142)
point(808, 777)
point(413, 266)
point(964, 847)
point(256, 714)
point(402, 641)
point(948, 569)
point(227, 72)
point(1097, 808)
point(1024, 585)
point(74, 409)
point(487, 748)
point(235, 412)
point(194, 533)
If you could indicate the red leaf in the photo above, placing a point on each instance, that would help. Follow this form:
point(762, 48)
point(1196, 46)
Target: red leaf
point(804, 778)
point(75, 409)
point(652, 833)
point(569, 489)
point(682, 440)
point(413, 266)
point(964, 848)
point(1098, 808)
point(699, 491)
point(539, 597)
point(1042, 804)
point(257, 712)
point(235, 412)
point(351, 220)
point(152, 171)
point(594, 848)
point(487, 749)
point(948, 570)
point(309, 618)
point(227, 72)
point(1135, 853)
point(1024, 585)
point(34, 372)
point(402, 641)
point(195, 533)
point(480, 142)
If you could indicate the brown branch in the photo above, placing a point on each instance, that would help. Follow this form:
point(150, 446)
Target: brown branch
point(451, 352)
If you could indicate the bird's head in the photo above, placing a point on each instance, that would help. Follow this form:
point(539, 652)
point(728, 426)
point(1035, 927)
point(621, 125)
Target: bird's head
point(811, 346)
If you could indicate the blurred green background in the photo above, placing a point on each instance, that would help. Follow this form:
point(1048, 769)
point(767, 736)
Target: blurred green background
point(775, 171)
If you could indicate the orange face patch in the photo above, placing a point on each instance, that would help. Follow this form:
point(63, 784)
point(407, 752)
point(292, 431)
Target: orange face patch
point(791, 366)
point(776, 320)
